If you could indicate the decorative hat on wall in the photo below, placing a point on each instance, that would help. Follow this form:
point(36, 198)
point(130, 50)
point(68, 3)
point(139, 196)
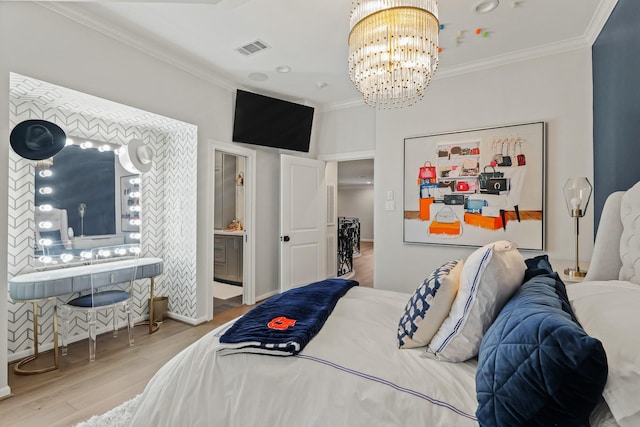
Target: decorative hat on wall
point(137, 157)
point(37, 139)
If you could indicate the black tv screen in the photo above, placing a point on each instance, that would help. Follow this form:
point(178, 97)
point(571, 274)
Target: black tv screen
point(271, 122)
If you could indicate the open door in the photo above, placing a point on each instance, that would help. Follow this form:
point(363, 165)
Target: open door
point(302, 221)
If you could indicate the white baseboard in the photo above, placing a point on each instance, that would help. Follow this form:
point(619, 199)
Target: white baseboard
point(267, 295)
point(12, 357)
point(75, 338)
point(5, 392)
point(188, 320)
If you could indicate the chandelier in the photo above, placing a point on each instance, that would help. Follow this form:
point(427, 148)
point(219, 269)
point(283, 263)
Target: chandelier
point(393, 50)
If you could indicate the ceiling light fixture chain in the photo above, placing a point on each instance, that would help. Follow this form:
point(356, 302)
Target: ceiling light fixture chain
point(393, 50)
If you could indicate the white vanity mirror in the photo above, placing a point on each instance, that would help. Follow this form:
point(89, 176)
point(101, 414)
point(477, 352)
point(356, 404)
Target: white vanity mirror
point(85, 199)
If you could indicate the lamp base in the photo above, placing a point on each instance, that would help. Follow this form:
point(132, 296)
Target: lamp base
point(572, 272)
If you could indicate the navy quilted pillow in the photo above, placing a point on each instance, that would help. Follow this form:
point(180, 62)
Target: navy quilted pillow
point(536, 266)
point(537, 366)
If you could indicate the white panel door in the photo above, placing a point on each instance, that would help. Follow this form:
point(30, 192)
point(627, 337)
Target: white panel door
point(302, 221)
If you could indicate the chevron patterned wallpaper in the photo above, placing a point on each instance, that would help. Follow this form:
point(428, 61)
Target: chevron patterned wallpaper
point(168, 199)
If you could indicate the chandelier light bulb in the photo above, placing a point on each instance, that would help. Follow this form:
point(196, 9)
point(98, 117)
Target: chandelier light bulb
point(45, 225)
point(45, 173)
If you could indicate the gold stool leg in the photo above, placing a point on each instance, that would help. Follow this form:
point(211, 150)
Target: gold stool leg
point(56, 361)
point(153, 325)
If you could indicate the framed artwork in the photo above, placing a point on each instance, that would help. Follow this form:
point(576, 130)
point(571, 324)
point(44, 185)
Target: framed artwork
point(472, 187)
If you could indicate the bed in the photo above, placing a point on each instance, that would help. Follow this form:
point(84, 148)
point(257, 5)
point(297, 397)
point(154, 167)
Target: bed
point(353, 373)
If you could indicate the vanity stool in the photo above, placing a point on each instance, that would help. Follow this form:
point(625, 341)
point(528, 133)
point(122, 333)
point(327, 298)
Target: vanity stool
point(44, 285)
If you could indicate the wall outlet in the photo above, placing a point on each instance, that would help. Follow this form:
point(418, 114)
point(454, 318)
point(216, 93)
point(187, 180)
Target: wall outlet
point(390, 205)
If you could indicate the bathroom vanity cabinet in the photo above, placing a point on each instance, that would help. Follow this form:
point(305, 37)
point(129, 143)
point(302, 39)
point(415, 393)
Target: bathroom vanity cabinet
point(227, 257)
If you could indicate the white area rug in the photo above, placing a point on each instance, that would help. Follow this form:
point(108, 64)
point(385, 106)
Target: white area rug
point(225, 291)
point(117, 417)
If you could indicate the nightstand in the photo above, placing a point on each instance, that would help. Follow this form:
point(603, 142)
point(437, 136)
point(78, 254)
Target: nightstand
point(560, 265)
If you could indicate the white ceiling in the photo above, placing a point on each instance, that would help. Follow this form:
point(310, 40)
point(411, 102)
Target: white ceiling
point(310, 36)
point(354, 173)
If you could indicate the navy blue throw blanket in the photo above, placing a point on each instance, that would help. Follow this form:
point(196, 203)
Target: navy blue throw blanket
point(284, 324)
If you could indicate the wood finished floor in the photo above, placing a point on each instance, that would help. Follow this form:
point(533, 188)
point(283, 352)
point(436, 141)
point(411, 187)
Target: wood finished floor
point(363, 265)
point(79, 390)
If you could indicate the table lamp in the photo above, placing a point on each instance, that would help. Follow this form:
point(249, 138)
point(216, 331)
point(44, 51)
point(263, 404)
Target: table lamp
point(577, 192)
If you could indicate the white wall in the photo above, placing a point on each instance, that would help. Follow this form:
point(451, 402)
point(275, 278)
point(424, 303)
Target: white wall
point(357, 202)
point(39, 43)
point(555, 89)
point(347, 130)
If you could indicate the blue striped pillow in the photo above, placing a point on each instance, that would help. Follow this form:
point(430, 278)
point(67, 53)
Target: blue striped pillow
point(429, 306)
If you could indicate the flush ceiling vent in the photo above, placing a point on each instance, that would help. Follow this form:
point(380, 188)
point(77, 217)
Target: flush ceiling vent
point(252, 48)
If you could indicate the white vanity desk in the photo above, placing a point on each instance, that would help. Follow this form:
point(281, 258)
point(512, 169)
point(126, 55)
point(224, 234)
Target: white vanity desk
point(50, 284)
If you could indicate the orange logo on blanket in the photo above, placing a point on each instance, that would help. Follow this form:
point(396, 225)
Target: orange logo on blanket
point(281, 323)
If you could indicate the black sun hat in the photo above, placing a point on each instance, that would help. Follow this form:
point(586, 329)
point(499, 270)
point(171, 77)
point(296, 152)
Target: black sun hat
point(37, 139)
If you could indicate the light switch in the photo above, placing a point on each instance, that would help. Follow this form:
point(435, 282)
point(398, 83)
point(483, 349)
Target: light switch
point(390, 195)
point(390, 205)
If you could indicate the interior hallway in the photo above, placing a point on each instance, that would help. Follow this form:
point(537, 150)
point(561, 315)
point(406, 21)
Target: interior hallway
point(363, 265)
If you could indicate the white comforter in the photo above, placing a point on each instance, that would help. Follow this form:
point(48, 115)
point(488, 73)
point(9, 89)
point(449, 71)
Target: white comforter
point(351, 374)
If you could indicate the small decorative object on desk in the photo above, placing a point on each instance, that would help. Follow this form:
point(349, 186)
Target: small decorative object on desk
point(235, 226)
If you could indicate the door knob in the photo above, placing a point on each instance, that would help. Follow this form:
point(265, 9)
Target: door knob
point(285, 238)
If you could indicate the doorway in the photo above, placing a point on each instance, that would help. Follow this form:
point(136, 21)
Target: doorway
point(355, 208)
point(228, 239)
point(354, 174)
point(231, 219)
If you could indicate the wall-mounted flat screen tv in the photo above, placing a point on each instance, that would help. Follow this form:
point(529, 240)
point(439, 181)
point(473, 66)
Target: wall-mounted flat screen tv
point(271, 122)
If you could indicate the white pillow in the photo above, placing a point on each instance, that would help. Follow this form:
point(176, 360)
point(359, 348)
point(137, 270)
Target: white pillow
point(490, 276)
point(429, 306)
point(608, 311)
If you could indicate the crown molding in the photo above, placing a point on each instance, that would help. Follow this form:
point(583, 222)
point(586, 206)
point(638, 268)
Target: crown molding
point(497, 61)
point(352, 155)
point(599, 19)
point(341, 105)
point(514, 57)
point(162, 52)
point(201, 70)
point(352, 187)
